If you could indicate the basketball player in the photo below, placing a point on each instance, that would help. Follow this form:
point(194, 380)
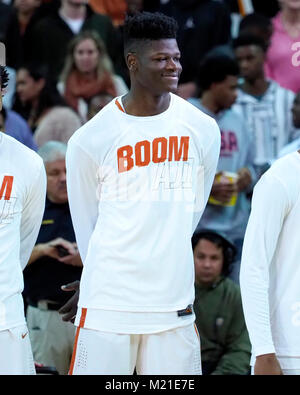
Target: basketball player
point(22, 200)
point(270, 272)
point(139, 175)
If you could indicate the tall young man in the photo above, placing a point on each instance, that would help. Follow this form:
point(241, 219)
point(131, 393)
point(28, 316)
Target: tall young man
point(22, 200)
point(139, 175)
point(270, 272)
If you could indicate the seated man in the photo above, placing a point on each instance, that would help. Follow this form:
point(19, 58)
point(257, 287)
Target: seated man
point(225, 345)
point(53, 262)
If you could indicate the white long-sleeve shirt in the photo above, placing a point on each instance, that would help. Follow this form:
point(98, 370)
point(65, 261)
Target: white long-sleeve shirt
point(22, 200)
point(270, 269)
point(132, 187)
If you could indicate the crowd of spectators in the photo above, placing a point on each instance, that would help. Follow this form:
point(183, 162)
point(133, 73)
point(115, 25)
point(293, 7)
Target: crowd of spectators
point(240, 66)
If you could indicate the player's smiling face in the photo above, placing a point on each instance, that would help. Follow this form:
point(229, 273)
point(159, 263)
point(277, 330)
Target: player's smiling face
point(158, 66)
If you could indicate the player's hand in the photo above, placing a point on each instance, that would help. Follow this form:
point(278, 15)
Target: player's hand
point(69, 309)
point(244, 179)
point(223, 189)
point(267, 364)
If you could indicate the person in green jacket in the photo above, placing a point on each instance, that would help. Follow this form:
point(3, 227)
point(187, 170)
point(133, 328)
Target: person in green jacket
point(225, 344)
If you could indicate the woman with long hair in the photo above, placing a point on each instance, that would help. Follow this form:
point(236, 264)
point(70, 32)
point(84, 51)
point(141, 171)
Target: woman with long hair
point(40, 103)
point(88, 71)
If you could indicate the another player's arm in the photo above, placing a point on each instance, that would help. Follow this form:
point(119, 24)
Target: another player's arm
point(269, 207)
point(83, 194)
point(210, 162)
point(32, 215)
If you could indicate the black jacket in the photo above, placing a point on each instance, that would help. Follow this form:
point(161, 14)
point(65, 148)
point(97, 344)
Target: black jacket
point(19, 49)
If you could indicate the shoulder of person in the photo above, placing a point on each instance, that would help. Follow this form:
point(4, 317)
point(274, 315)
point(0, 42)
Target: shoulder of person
point(104, 117)
point(62, 113)
point(232, 287)
point(22, 152)
point(96, 16)
point(280, 89)
point(191, 108)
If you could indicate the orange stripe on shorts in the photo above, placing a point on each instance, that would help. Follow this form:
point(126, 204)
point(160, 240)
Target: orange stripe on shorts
point(81, 324)
point(197, 331)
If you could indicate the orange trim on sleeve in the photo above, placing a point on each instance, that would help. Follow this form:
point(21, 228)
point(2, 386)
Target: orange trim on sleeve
point(119, 105)
point(81, 325)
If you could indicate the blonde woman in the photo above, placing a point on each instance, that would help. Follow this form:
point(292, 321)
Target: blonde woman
point(88, 72)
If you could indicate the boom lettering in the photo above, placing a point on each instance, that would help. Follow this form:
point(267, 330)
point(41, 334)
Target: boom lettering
point(160, 150)
point(6, 187)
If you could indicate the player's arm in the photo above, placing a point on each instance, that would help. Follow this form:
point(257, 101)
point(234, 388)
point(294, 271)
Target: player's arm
point(269, 207)
point(206, 174)
point(83, 194)
point(32, 215)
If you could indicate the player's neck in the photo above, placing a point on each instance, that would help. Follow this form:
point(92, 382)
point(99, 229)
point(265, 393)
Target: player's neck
point(139, 104)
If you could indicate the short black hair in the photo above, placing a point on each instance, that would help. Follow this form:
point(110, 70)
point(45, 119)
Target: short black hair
point(215, 67)
point(220, 241)
point(255, 20)
point(247, 39)
point(147, 26)
point(3, 77)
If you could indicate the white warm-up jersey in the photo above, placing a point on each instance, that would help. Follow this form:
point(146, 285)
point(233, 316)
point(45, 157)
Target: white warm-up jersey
point(137, 187)
point(22, 200)
point(270, 269)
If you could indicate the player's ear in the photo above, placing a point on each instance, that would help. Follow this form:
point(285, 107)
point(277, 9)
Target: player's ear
point(131, 61)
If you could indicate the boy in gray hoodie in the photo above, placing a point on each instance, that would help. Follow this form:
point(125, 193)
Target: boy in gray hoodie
point(228, 208)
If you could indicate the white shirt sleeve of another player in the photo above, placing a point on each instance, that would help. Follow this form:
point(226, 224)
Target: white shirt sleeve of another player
point(82, 184)
point(269, 207)
point(32, 215)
